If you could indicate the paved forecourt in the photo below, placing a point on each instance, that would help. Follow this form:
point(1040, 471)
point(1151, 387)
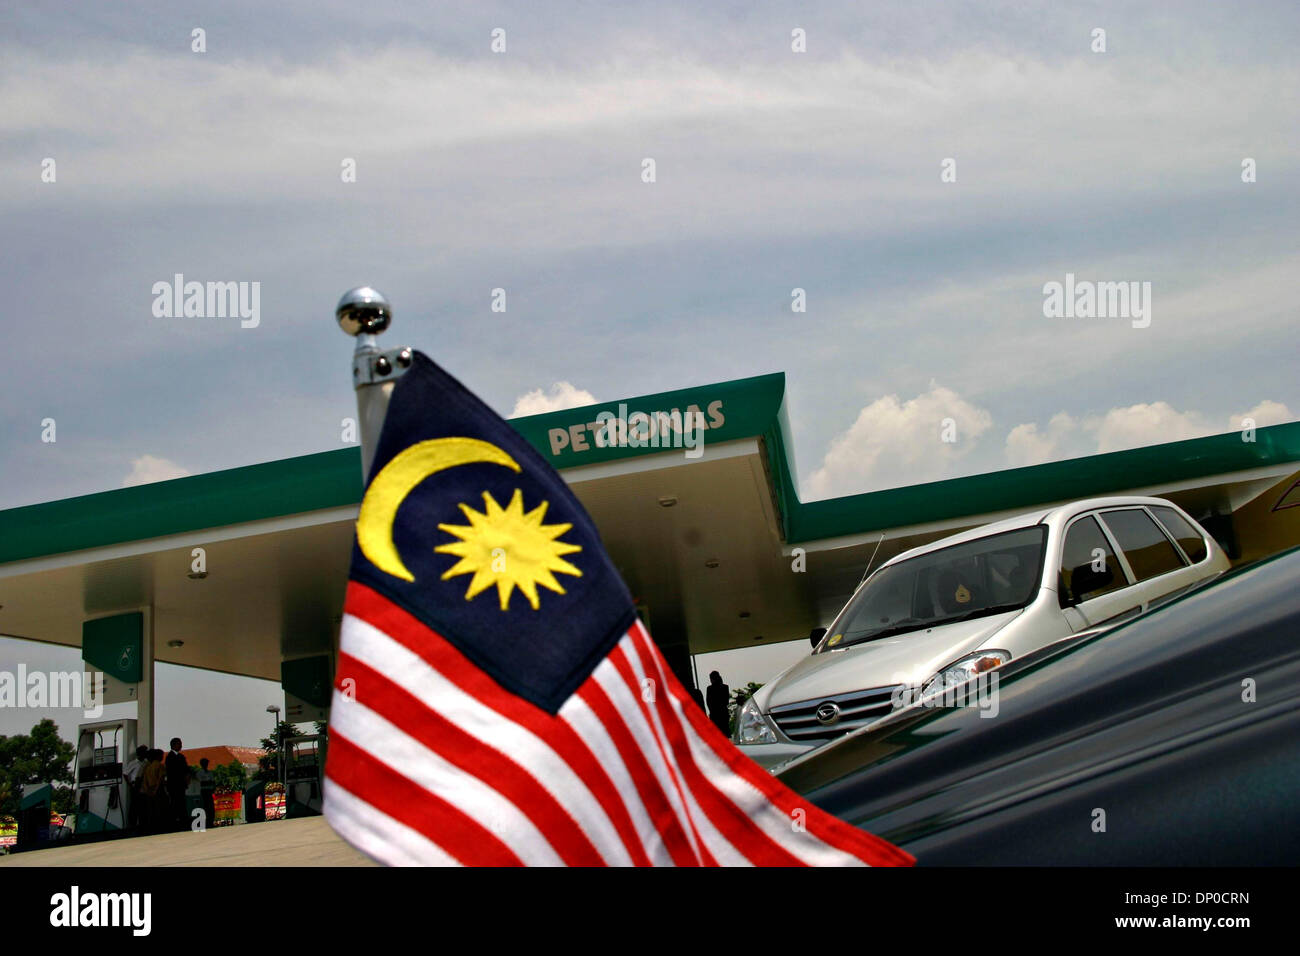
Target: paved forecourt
point(308, 841)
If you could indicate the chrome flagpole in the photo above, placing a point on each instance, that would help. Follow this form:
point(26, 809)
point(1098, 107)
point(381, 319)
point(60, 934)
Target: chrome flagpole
point(365, 314)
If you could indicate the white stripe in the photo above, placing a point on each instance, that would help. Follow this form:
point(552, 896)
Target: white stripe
point(378, 835)
point(369, 731)
point(649, 738)
point(805, 845)
point(578, 715)
point(639, 731)
point(723, 850)
point(415, 675)
point(727, 785)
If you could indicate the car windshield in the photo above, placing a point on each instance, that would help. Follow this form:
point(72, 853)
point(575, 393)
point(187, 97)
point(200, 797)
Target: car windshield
point(989, 575)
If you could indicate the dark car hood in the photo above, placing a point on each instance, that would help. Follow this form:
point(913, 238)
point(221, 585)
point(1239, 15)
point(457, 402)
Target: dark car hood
point(1147, 722)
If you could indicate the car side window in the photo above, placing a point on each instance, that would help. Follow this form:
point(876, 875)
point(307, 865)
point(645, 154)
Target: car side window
point(1188, 538)
point(1148, 551)
point(1088, 564)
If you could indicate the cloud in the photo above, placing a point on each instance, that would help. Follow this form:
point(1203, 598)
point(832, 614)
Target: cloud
point(563, 395)
point(147, 469)
point(894, 443)
point(1026, 445)
point(1145, 424)
point(522, 171)
point(139, 113)
point(1132, 426)
point(1266, 412)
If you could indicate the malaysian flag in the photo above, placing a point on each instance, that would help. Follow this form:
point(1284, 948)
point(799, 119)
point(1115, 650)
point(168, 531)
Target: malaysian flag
point(498, 702)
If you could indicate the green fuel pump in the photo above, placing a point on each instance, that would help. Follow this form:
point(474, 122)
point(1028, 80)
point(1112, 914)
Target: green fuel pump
point(103, 798)
point(302, 762)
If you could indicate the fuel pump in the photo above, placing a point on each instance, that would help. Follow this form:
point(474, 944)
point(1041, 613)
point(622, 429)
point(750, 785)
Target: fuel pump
point(103, 798)
point(34, 816)
point(302, 762)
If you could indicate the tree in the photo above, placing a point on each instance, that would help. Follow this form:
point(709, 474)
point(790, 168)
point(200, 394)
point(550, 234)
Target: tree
point(39, 757)
point(268, 765)
point(233, 776)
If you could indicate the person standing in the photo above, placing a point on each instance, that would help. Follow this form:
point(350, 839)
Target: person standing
point(207, 792)
point(178, 779)
point(133, 773)
point(153, 794)
point(719, 701)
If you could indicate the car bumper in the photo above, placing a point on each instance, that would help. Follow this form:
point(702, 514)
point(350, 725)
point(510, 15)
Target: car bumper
point(769, 756)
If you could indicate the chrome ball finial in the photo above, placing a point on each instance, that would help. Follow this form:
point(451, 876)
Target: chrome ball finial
point(363, 311)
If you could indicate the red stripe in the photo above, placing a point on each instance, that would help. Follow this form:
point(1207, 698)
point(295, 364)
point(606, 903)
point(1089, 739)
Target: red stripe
point(421, 640)
point(655, 800)
point(474, 757)
point(614, 658)
point(739, 829)
point(829, 829)
point(389, 792)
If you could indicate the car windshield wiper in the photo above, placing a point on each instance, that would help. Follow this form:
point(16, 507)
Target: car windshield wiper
point(981, 612)
point(901, 626)
point(908, 624)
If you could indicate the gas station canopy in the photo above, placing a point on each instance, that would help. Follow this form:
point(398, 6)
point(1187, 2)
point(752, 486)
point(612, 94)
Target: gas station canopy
point(713, 542)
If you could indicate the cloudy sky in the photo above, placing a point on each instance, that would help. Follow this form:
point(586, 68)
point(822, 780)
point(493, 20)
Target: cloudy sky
point(522, 170)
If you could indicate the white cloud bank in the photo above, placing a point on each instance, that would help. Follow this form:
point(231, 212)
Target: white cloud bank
point(148, 468)
point(1026, 445)
point(562, 395)
point(895, 443)
point(1136, 426)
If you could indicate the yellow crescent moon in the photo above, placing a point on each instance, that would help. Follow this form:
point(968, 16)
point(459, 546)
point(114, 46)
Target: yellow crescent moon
point(396, 480)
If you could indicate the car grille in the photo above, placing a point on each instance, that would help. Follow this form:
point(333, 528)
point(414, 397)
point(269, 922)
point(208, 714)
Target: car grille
point(799, 722)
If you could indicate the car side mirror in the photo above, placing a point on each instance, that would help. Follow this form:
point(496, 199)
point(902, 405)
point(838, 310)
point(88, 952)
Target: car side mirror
point(815, 635)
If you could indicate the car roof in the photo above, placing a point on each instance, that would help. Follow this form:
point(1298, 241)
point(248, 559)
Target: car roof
point(1027, 520)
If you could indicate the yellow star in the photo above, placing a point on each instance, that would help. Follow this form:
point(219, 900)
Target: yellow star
point(510, 549)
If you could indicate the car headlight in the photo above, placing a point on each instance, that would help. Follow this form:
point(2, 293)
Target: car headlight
point(960, 671)
point(752, 726)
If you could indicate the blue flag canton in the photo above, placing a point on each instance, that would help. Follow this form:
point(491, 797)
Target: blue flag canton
point(469, 529)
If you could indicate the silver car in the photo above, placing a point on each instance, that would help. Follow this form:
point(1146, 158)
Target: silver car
point(937, 616)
